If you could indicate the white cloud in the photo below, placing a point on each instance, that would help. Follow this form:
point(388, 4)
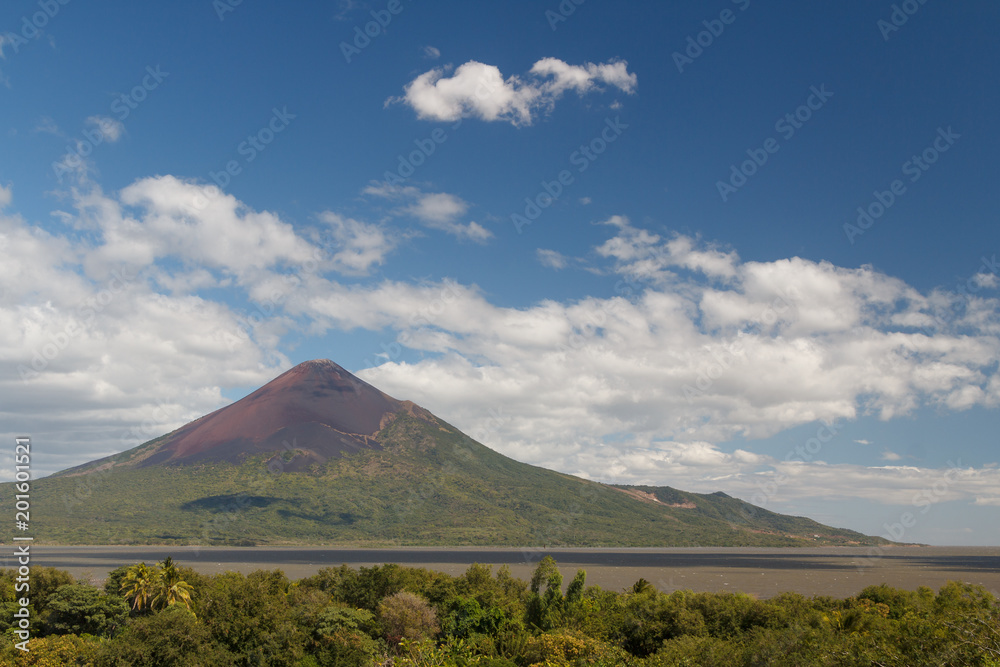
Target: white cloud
point(110, 128)
point(645, 255)
point(94, 364)
point(552, 258)
point(719, 351)
point(165, 216)
point(985, 280)
point(431, 53)
point(436, 210)
point(689, 347)
point(6, 195)
point(563, 77)
point(387, 191)
point(358, 245)
point(478, 90)
point(891, 456)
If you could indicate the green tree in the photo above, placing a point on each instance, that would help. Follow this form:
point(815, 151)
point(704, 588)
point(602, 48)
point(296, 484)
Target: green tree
point(80, 609)
point(113, 583)
point(140, 586)
point(44, 582)
point(343, 637)
point(52, 651)
point(169, 638)
point(251, 616)
point(544, 608)
point(172, 589)
point(405, 615)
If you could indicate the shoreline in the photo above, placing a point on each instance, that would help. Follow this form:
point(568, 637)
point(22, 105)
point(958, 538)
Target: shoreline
point(764, 572)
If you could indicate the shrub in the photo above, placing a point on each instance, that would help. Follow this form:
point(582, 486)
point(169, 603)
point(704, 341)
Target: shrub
point(55, 651)
point(172, 637)
point(80, 609)
point(405, 615)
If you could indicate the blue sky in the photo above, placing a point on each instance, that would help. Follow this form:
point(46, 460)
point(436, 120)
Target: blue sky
point(196, 196)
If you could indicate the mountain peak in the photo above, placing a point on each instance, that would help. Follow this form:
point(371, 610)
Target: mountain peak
point(316, 408)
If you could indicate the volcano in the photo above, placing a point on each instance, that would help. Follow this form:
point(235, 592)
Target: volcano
point(316, 410)
point(319, 457)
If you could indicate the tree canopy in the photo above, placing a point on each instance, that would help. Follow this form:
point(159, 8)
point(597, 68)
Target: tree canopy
point(391, 615)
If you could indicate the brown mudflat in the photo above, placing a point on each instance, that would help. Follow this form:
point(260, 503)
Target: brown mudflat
point(834, 571)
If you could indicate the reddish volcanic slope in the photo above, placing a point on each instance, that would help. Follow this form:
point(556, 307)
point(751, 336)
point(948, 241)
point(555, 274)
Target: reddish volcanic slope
point(317, 408)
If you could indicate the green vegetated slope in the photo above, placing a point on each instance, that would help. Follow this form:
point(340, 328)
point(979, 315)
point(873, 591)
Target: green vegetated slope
point(428, 485)
point(734, 511)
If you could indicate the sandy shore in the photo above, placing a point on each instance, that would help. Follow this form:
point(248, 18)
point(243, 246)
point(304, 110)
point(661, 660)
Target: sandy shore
point(835, 571)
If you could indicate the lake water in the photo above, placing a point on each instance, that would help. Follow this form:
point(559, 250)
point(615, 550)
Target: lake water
point(835, 571)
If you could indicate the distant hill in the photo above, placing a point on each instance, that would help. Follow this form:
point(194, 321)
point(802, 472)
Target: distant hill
point(317, 456)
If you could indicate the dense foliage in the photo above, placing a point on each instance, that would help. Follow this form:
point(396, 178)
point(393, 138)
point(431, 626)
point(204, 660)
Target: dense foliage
point(392, 615)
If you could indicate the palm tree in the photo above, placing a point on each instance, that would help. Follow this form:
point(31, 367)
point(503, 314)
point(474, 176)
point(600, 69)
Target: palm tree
point(140, 585)
point(172, 589)
point(642, 586)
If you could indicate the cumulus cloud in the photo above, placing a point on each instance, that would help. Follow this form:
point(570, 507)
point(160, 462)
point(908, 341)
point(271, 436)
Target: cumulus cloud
point(689, 347)
point(697, 348)
point(95, 364)
point(478, 90)
point(436, 210)
point(646, 255)
point(552, 258)
point(358, 245)
point(165, 216)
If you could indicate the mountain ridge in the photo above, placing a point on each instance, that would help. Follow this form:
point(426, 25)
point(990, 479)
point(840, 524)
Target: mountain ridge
point(318, 456)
